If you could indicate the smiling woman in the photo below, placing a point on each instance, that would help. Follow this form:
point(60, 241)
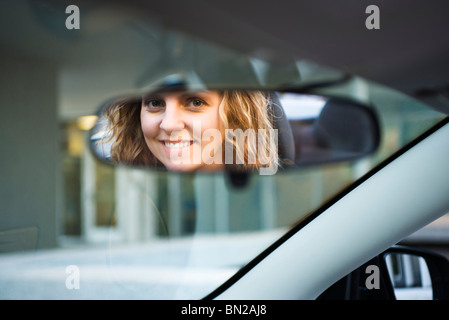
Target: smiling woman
point(189, 131)
point(174, 126)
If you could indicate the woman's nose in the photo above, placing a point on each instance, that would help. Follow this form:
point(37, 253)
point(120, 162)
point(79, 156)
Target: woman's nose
point(172, 119)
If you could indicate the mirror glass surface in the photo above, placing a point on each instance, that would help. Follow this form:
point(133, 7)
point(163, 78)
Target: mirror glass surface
point(409, 276)
point(211, 130)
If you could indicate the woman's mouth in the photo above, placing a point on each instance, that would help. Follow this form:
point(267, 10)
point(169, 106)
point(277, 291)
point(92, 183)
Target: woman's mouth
point(175, 145)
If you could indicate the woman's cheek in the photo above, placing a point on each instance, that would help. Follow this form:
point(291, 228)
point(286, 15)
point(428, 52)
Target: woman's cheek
point(149, 126)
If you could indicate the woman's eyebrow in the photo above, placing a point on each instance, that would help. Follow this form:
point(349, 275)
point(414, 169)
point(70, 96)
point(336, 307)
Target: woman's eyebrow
point(152, 96)
point(190, 94)
point(179, 96)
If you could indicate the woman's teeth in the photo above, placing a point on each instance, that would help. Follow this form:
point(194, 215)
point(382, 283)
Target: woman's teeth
point(177, 145)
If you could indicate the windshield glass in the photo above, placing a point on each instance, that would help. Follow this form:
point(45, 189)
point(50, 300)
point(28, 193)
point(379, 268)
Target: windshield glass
point(73, 227)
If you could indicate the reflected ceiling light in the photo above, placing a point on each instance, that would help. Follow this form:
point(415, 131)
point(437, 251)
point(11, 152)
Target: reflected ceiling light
point(86, 122)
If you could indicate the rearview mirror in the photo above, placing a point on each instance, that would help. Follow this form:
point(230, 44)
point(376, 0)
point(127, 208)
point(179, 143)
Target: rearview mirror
point(235, 130)
point(398, 273)
point(409, 276)
point(417, 274)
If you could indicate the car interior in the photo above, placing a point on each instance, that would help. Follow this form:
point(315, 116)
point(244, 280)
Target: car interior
point(356, 209)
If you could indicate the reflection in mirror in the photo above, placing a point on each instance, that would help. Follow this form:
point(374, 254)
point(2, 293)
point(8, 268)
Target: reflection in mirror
point(235, 130)
point(409, 276)
point(329, 130)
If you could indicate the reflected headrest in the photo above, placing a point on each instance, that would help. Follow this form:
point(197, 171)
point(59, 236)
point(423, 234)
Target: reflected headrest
point(286, 142)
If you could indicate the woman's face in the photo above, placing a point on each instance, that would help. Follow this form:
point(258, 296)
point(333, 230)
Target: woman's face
point(183, 130)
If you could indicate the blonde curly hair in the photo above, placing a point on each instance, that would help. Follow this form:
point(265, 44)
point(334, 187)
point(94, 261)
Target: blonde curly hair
point(239, 109)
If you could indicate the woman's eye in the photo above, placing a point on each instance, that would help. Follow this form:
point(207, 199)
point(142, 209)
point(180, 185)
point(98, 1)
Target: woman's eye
point(154, 104)
point(196, 103)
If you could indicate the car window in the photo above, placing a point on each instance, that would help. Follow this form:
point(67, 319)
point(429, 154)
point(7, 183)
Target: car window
point(95, 231)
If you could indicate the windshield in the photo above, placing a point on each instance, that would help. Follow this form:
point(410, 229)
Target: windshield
point(73, 227)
